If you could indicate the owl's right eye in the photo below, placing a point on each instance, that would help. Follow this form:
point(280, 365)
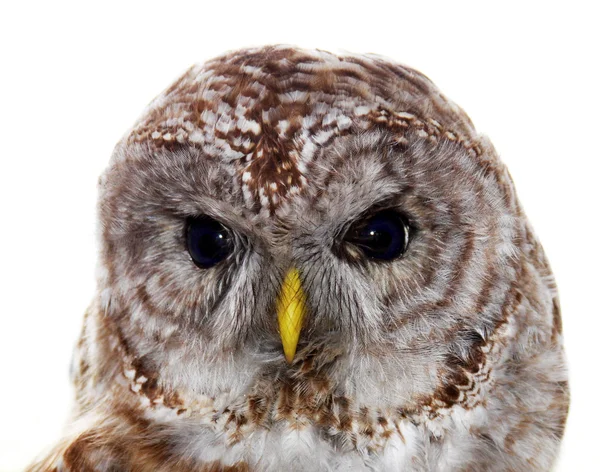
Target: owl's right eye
point(208, 241)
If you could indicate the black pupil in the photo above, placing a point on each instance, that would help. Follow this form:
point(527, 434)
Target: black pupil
point(383, 236)
point(208, 241)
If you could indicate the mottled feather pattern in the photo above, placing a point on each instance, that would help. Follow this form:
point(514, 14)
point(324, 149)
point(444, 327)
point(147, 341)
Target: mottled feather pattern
point(449, 358)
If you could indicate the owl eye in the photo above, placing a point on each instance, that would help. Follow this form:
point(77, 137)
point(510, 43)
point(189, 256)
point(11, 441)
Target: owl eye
point(383, 236)
point(208, 241)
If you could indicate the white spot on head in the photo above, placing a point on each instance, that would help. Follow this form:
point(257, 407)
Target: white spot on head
point(362, 110)
point(308, 151)
point(308, 121)
point(223, 124)
point(282, 126)
point(404, 115)
point(321, 108)
point(343, 122)
point(264, 199)
point(246, 177)
point(208, 117)
point(245, 125)
point(323, 136)
point(224, 108)
point(330, 117)
point(231, 155)
point(247, 194)
point(293, 96)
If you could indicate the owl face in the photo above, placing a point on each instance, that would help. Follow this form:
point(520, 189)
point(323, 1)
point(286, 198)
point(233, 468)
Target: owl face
point(314, 262)
point(401, 231)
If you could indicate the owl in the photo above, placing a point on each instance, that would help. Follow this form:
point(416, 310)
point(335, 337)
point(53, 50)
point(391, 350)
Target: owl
point(313, 262)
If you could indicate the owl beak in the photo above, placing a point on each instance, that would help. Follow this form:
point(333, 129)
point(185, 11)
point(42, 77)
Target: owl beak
point(291, 307)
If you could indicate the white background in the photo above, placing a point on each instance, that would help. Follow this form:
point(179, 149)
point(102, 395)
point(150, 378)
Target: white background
point(74, 77)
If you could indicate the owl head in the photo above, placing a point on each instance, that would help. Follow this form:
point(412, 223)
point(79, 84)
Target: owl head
point(298, 227)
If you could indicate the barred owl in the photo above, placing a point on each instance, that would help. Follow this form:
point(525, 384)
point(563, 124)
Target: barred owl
point(313, 262)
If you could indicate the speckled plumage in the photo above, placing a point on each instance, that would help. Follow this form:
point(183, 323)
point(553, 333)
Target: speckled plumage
point(449, 358)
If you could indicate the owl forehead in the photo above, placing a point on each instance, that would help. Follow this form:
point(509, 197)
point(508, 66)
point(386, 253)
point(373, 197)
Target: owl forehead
point(265, 114)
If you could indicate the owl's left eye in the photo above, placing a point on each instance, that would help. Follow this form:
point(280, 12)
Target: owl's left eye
point(208, 241)
point(383, 236)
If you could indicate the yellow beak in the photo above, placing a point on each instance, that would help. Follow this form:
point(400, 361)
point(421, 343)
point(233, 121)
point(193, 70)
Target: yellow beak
point(291, 307)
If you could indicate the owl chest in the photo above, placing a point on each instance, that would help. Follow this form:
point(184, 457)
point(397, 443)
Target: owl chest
point(303, 444)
